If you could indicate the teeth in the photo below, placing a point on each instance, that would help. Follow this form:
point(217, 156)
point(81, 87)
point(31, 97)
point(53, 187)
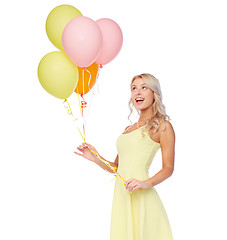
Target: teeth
point(137, 99)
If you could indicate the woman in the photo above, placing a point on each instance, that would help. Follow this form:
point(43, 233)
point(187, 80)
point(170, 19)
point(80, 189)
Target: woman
point(137, 210)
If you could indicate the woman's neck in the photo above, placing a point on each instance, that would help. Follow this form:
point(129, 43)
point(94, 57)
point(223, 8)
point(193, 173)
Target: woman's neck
point(145, 115)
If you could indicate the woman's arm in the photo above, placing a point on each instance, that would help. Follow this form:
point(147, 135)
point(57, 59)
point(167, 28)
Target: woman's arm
point(86, 152)
point(167, 143)
point(104, 166)
point(113, 164)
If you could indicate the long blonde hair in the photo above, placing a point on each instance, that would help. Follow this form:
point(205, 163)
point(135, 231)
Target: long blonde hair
point(159, 113)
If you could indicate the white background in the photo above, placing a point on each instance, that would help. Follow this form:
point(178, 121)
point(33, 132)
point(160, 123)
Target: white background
point(48, 192)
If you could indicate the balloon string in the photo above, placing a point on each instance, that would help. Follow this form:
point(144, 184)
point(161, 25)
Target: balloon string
point(81, 111)
point(83, 79)
point(82, 104)
point(84, 132)
point(112, 168)
point(98, 156)
point(69, 110)
point(97, 76)
point(89, 78)
point(81, 135)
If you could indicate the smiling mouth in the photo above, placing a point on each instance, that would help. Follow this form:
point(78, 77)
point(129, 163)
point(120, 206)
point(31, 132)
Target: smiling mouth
point(139, 99)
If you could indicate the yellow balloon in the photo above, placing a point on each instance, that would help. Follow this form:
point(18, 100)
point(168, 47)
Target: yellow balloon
point(57, 74)
point(56, 22)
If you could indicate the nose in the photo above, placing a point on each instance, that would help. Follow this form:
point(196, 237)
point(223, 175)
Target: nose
point(138, 91)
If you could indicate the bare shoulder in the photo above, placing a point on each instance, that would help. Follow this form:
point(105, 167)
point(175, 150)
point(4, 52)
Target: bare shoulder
point(166, 131)
point(166, 125)
point(127, 128)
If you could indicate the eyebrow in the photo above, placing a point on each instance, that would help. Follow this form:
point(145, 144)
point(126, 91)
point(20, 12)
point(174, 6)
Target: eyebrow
point(141, 85)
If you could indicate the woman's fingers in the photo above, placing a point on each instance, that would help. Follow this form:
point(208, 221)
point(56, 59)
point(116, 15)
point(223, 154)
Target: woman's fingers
point(89, 145)
point(78, 153)
point(85, 144)
point(80, 149)
point(83, 147)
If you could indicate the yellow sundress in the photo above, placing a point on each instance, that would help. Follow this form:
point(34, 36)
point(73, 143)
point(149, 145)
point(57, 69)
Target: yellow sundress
point(139, 215)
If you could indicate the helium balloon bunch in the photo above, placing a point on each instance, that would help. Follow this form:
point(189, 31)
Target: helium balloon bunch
point(85, 46)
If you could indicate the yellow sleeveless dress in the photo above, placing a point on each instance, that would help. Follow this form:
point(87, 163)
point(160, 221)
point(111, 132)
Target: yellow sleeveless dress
point(139, 215)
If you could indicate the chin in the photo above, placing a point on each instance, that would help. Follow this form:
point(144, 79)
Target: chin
point(141, 108)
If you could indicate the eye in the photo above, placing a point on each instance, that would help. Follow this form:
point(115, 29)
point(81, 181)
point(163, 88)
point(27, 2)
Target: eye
point(133, 88)
point(144, 87)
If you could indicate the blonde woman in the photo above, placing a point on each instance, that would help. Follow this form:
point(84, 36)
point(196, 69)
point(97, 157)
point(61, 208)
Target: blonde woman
point(137, 210)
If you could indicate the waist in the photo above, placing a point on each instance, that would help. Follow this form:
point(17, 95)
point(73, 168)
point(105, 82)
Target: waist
point(139, 173)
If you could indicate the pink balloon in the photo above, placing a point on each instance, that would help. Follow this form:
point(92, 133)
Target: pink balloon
point(112, 40)
point(82, 41)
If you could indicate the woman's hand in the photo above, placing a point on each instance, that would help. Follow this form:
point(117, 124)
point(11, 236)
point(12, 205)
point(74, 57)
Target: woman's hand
point(86, 153)
point(133, 184)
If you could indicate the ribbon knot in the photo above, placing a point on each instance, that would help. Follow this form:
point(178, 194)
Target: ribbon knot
point(83, 104)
